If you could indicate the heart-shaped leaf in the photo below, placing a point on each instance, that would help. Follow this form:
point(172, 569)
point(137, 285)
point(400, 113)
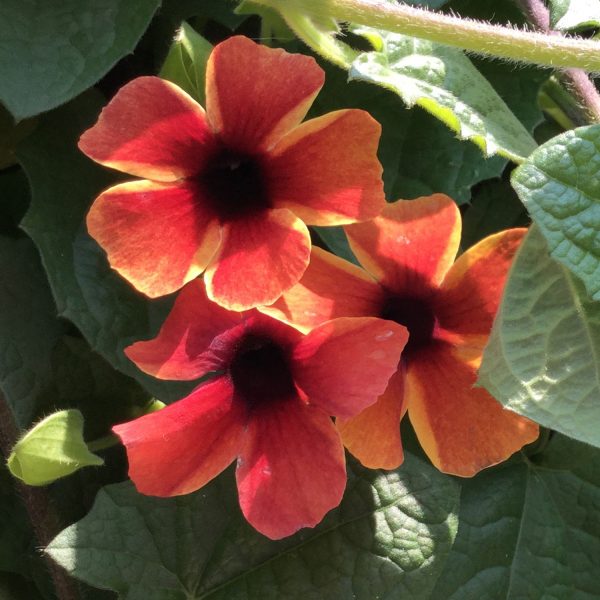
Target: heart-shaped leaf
point(389, 538)
point(543, 357)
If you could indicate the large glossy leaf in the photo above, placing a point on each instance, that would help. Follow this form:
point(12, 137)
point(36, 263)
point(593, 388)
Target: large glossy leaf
point(560, 187)
point(543, 357)
point(389, 538)
point(444, 81)
point(105, 308)
point(52, 50)
point(529, 529)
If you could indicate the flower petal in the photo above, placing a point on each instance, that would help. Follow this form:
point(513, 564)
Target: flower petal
point(182, 447)
point(344, 365)
point(181, 350)
point(255, 94)
point(156, 235)
point(259, 259)
point(373, 436)
point(411, 246)
point(152, 129)
point(330, 287)
point(326, 170)
point(291, 471)
point(461, 428)
point(471, 292)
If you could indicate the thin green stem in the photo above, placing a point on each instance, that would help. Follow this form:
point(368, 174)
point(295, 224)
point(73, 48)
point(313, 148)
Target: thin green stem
point(107, 441)
point(475, 36)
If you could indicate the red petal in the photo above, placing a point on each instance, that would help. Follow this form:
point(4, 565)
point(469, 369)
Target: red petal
point(411, 246)
point(255, 94)
point(461, 428)
point(326, 170)
point(181, 348)
point(152, 129)
point(373, 436)
point(259, 259)
point(472, 290)
point(330, 287)
point(291, 471)
point(344, 365)
point(182, 447)
point(158, 236)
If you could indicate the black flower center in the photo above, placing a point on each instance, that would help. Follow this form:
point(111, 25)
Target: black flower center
point(260, 372)
point(234, 184)
point(417, 315)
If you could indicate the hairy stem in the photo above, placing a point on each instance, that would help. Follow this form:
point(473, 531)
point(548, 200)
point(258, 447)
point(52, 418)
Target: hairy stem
point(574, 80)
point(475, 36)
point(43, 518)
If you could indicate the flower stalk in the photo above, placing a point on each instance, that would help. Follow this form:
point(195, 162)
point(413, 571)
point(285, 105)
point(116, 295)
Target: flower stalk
point(577, 83)
point(534, 47)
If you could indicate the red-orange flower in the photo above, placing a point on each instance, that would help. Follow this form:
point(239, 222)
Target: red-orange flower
point(448, 307)
point(229, 192)
point(270, 407)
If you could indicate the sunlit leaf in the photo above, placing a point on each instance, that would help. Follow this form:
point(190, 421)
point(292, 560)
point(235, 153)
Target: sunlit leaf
point(560, 187)
point(444, 82)
point(53, 448)
point(389, 538)
point(543, 357)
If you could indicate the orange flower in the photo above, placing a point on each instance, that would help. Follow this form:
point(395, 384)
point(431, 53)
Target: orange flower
point(228, 191)
point(268, 405)
point(448, 307)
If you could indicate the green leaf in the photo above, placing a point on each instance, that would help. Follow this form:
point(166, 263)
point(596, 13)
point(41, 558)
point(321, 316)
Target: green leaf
point(529, 529)
point(14, 199)
point(543, 356)
point(105, 308)
point(419, 154)
point(560, 188)
point(29, 330)
point(444, 82)
point(389, 538)
point(336, 241)
point(569, 15)
point(10, 135)
point(52, 449)
point(52, 50)
point(185, 64)
point(494, 207)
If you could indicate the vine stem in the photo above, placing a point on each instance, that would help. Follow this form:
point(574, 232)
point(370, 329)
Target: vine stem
point(519, 45)
point(574, 80)
point(38, 504)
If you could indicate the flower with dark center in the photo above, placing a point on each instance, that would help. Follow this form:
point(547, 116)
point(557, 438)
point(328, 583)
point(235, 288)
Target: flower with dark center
point(229, 192)
point(269, 405)
point(448, 307)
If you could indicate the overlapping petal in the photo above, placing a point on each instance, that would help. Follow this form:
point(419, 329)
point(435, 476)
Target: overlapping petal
point(156, 235)
point(330, 287)
point(255, 94)
point(471, 292)
point(151, 129)
point(326, 170)
point(259, 258)
point(345, 364)
point(183, 446)
point(181, 350)
point(291, 471)
point(461, 428)
point(411, 246)
point(373, 436)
